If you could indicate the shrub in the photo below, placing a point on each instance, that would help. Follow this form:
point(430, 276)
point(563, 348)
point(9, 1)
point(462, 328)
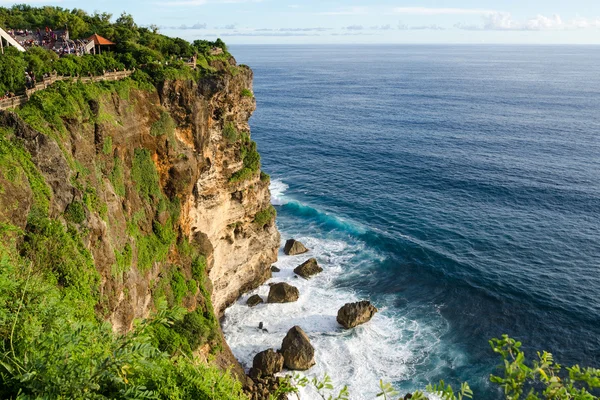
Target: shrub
point(230, 132)
point(265, 216)
point(107, 145)
point(164, 126)
point(247, 93)
point(75, 212)
point(144, 175)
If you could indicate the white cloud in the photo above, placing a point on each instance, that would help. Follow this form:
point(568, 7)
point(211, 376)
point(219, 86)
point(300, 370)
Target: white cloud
point(442, 11)
point(503, 21)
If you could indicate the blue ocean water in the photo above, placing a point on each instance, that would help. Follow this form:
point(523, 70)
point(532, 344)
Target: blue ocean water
point(456, 187)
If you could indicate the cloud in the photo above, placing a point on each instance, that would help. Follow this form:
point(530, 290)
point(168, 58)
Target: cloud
point(503, 21)
point(381, 27)
point(347, 11)
point(318, 29)
point(427, 27)
point(355, 28)
point(258, 33)
point(442, 11)
point(186, 27)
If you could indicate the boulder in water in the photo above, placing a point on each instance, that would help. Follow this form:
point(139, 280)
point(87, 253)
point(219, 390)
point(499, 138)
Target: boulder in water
point(308, 268)
point(275, 269)
point(293, 247)
point(254, 300)
point(268, 362)
point(354, 314)
point(283, 293)
point(298, 353)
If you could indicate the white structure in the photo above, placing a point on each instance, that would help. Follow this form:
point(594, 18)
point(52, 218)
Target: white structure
point(10, 41)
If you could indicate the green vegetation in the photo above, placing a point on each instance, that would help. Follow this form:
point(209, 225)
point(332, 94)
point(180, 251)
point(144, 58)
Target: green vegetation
point(107, 145)
point(159, 56)
point(16, 165)
point(264, 177)
point(144, 175)
point(251, 160)
point(265, 216)
point(230, 132)
point(116, 177)
point(247, 93)
point(75, 212)
point(164, 126)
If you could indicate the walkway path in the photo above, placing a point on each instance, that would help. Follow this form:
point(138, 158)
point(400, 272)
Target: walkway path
point(19, 100)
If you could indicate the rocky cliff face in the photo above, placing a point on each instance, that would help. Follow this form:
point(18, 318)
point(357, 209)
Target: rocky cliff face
point(159, 184)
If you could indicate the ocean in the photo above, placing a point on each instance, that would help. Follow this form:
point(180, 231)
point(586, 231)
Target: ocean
point(455, 187)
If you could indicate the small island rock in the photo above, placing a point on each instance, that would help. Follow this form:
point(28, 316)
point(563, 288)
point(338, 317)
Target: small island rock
point(298, 353)
point(268, 362)
point(354, 314)
point(293, 247)
point(254, 300)
point(308, 268)
point(283, 293)
point(275, 269)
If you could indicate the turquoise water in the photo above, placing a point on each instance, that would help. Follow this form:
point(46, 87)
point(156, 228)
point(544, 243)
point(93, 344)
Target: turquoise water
point(457, 187)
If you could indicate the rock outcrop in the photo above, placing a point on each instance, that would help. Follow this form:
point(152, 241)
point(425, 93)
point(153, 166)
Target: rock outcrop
point(354, 314)
point(293, 247)
point(308, 268)
point(298, 352)
point(283, 293)
point(267, 362)
point(152, 183)
point(254, 300)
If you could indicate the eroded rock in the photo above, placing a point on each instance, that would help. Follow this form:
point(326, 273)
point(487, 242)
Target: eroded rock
point(268, 362)
point(298, 353)
point(283, 293)
point(293, 247)
point(254, 300)
point(308, 268)
point(354, 314)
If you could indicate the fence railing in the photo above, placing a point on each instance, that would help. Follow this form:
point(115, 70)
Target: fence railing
point(16, 101)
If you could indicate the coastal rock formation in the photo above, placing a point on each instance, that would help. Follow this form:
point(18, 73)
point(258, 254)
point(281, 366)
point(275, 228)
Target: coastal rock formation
point(268, 362)
point(254, 300)
point(308, 268)
point(354, 314)
point(156, 188)
point(298, 353)
point(293, 247)
point(275, 269)
point(283, 293)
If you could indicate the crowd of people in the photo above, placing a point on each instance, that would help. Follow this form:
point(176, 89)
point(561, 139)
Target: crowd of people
point(57, 41)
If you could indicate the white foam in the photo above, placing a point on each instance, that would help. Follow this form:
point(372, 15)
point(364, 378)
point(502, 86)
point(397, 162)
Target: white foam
point(278, 188)
point(385, 348)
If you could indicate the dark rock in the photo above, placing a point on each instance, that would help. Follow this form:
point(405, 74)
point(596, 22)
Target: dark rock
point(308, 268)
point(275, 269)
point(408, 396)
point(254, 300)
point(283, 293)
point(260, 325)
point(298, 353)
point(353, 314)
point(293, 247)
point(268, 362)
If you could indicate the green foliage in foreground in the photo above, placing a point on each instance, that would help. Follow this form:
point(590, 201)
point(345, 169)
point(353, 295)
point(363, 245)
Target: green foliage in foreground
point(539, 379)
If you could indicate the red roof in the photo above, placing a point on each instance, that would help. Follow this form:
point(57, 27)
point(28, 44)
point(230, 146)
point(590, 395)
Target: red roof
point(100, 41)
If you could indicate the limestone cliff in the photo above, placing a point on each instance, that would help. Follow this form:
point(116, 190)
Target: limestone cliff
point(158, 182)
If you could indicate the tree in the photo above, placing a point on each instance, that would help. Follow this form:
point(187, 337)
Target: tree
point(13, 66)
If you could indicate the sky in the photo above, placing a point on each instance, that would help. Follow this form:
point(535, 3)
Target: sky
point(361, 21)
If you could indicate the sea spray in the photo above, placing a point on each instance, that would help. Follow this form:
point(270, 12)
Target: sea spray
point(388, 347)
